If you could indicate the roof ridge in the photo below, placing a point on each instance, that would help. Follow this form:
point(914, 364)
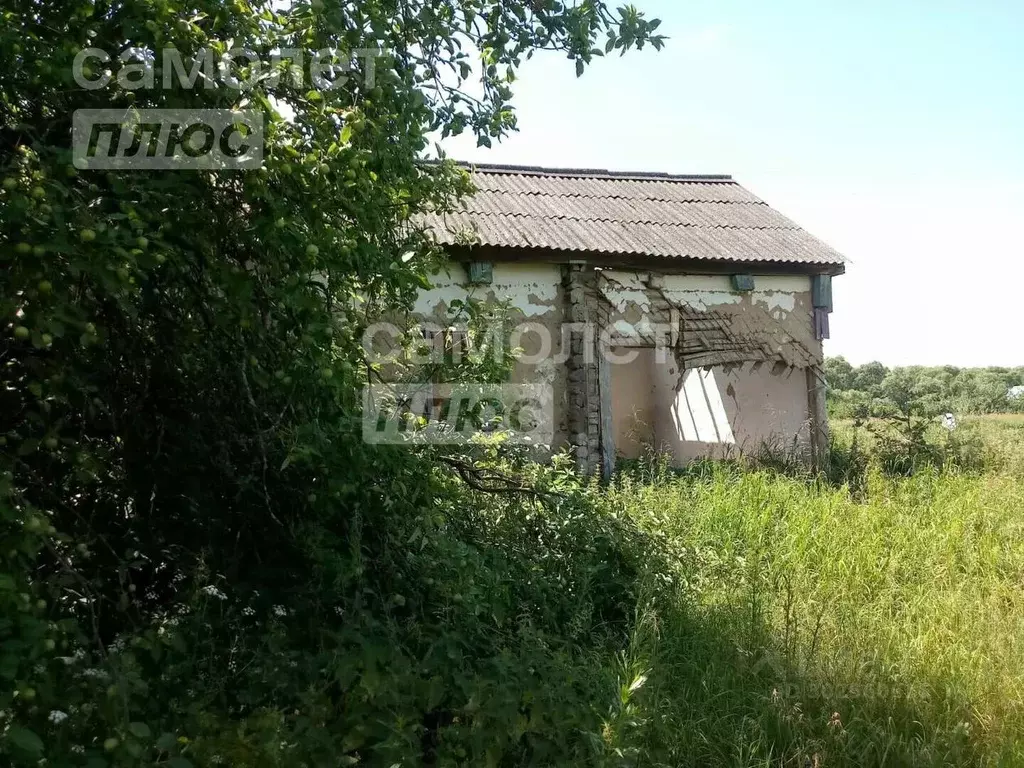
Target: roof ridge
point(590, 173)
point(611, 195)
point(792, 227)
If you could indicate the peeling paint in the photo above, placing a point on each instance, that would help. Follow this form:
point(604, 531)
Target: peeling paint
point(622, 289)
point(530, 288)
point(777, 302)
point(731, 383)
point(445, 289)
point(702, 300)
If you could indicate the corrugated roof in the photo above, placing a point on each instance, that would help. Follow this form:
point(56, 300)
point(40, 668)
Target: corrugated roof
point(640, 214)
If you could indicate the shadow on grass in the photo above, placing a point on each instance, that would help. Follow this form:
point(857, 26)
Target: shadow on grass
point(735, 677)
point(723, 691)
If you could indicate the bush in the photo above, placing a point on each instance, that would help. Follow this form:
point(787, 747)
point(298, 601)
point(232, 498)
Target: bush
point(202, 562)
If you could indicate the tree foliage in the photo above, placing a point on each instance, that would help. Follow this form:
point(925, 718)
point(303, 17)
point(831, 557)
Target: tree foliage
point(874, 390)
point(201, 562)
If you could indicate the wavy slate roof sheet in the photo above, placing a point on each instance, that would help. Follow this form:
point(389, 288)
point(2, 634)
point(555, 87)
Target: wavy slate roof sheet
point(697, 217)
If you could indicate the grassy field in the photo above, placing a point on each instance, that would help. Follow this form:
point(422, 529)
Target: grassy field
point(804, 625)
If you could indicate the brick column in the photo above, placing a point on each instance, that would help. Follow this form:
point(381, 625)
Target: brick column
point(584, 395)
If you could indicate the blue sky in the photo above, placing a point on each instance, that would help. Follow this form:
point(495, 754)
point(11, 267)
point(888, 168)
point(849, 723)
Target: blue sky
point(892, 130)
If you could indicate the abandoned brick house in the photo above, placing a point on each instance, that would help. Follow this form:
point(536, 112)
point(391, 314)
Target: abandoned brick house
point(695, 312)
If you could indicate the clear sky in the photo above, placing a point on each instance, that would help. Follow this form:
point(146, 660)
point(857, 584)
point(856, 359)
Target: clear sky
point(894, 130)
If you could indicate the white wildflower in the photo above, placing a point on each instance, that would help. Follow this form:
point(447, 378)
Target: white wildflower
point(248, 611)
point(57, 717)
point(212, 591)
point(280, 611)
point(78, 749)
point(76, 657)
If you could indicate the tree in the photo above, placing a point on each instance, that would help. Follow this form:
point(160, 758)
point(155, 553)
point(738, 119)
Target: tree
point(868, 377)
point(838, 373)
point(182, 364)
point(919, 389)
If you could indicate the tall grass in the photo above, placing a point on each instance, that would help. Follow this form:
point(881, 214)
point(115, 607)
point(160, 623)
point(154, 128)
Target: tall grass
point(794, 623)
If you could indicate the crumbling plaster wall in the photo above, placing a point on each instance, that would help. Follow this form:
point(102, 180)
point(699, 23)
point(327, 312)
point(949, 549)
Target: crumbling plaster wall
point(732, 378)
point(735, 376)
point(536, 296)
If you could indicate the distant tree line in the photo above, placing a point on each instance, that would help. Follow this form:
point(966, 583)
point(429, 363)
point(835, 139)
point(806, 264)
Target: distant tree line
point(873, 389)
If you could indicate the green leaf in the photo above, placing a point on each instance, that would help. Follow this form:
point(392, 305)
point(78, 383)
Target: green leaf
point(25, 741)
point(579, 67)
point(166, 742)
point(28, 446)
point(140, 730)
point(178, 762)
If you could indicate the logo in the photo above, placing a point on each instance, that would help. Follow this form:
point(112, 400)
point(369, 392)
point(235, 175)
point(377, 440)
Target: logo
point(167, 139)
point(425, 413)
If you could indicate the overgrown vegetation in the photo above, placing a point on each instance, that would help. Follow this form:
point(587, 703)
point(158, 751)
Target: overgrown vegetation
point(202, 564)
point(872, 390)
point(805, 625)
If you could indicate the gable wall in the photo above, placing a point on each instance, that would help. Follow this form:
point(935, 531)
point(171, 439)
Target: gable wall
point(754, 348)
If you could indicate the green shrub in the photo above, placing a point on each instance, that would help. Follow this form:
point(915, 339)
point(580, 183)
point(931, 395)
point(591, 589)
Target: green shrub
point(201, 561)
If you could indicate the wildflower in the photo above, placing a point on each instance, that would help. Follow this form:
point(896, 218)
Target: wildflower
point(78, 749)
point(280, 611)
point(212, 591)
point(835, 721)
point(248, 611)
point(57, 717)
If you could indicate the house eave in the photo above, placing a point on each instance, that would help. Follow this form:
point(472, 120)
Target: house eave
point(662, 264)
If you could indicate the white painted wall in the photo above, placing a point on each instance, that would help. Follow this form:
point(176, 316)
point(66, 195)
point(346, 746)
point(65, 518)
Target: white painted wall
point(532, 288)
